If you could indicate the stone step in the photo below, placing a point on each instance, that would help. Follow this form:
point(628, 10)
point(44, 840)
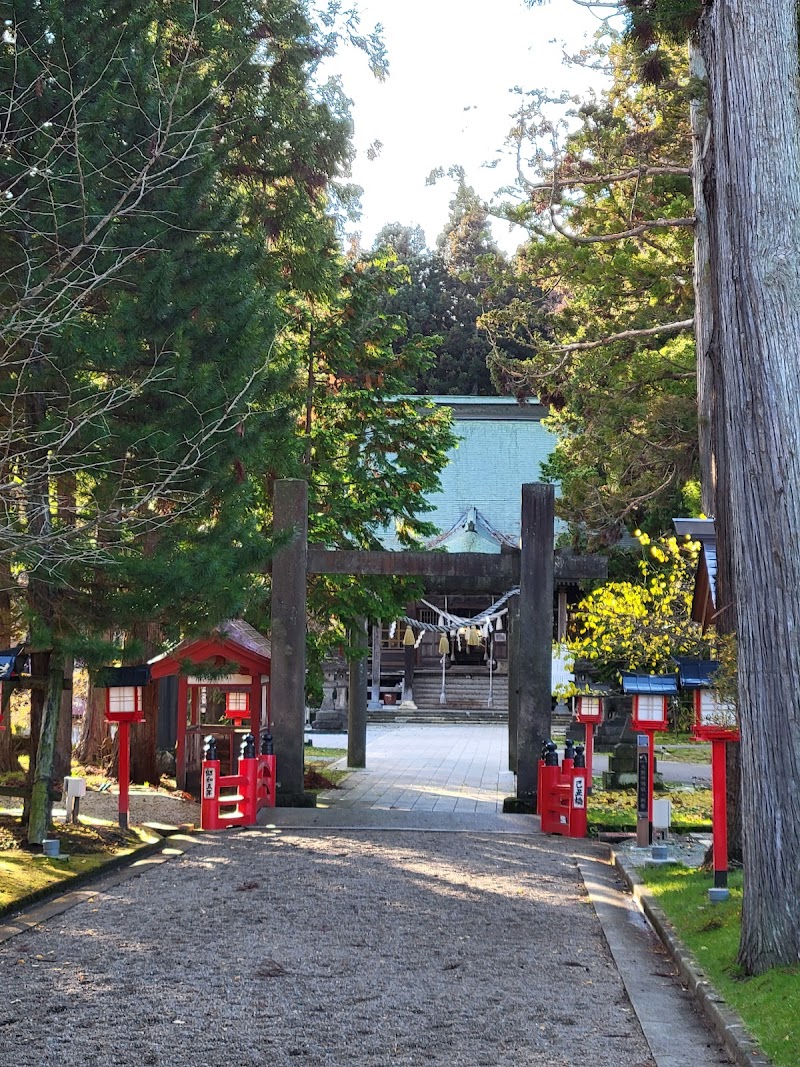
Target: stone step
point(461, 692)
point(440, 717)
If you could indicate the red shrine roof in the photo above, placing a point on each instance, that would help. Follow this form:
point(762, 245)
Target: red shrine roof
point(234, 640)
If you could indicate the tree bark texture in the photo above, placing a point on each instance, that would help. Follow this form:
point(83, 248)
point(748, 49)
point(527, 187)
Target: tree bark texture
point(704, 308)
point(39, 669)
point(708, 416)
point(750, 50)
point(41, 808)
point(8, 756)
point(63, 755)
point(93, 745)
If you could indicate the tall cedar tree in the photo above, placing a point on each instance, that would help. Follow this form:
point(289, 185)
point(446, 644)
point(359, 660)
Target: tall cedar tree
point(447, 294)
point(746, 154)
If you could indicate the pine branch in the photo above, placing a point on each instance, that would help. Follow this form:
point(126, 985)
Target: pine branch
point(634, 173)
point(627, 335)
point(608, 238)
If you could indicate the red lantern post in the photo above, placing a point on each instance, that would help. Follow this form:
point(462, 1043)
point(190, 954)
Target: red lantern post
point(650, 693)
point(715, 721)
point(589, 712)
point(124, 705)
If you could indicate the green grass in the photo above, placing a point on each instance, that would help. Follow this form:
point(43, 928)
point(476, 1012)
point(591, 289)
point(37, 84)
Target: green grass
point(615, 809)
point(698, 753)
point(320, 760)
point(23, 874)
point(769, 1004)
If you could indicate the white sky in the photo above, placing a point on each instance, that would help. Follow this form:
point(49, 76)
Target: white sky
point(447, 100)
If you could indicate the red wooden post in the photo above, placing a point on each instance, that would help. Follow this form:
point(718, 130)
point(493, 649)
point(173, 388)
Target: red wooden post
point(578, 813)
point(124, 771)
point(255, 707)
point(589, 744)
point(719, 813)
point(209, 795)
point(180, 748)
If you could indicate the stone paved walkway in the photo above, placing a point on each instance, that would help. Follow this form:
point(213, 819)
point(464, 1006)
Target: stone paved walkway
point(461, 769)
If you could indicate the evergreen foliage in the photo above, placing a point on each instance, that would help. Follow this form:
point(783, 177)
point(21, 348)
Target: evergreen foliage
point(448, 291)
point(595, 267)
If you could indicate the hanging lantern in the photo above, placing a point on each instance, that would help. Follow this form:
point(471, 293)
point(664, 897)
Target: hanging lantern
point(124, 692)
point(408, 637)
point(473, 637)
point(237, 707)
point(444, 645)
point(590, 708)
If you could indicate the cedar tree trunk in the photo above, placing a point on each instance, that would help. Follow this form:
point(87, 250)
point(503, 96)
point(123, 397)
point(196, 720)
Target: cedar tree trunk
point(750, 50)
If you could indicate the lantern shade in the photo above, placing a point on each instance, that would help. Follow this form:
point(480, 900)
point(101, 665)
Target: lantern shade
point(649, 711)
point(236, 702)
point(715, 719)
point(408, 637)
point(650, 693)
point(237, 707)
point(444, 645)
point(124, 703)
point(590, 708)
point(123, 687)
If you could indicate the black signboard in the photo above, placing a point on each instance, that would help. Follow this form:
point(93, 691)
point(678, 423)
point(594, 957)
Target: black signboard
point(642, 786)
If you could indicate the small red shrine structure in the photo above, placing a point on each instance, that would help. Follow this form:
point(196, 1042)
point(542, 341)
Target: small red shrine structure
point(223, 689)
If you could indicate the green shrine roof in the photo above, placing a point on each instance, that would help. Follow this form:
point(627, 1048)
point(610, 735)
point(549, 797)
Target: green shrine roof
point(502, 445)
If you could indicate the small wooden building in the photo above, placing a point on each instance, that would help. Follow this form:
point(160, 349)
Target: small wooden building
point(223, 689)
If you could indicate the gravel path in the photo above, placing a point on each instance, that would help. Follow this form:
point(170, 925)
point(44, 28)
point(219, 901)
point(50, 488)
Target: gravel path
point(285, 947)
point(143, 807)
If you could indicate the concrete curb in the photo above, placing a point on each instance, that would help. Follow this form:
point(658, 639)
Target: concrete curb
point(739, 1044)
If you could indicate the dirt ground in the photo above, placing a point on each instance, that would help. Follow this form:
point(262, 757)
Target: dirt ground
point(327, 949)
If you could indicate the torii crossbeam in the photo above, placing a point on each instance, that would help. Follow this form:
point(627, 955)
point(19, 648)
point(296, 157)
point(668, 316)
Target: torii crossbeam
point(532, 567)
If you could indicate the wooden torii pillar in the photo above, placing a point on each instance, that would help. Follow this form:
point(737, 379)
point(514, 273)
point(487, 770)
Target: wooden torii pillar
point(532, 568)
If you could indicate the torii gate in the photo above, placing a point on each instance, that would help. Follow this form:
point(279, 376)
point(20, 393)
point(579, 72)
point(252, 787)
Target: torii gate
point(533, 568)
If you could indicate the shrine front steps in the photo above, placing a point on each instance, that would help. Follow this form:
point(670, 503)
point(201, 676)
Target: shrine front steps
point(440, 716)
point(463, 691)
